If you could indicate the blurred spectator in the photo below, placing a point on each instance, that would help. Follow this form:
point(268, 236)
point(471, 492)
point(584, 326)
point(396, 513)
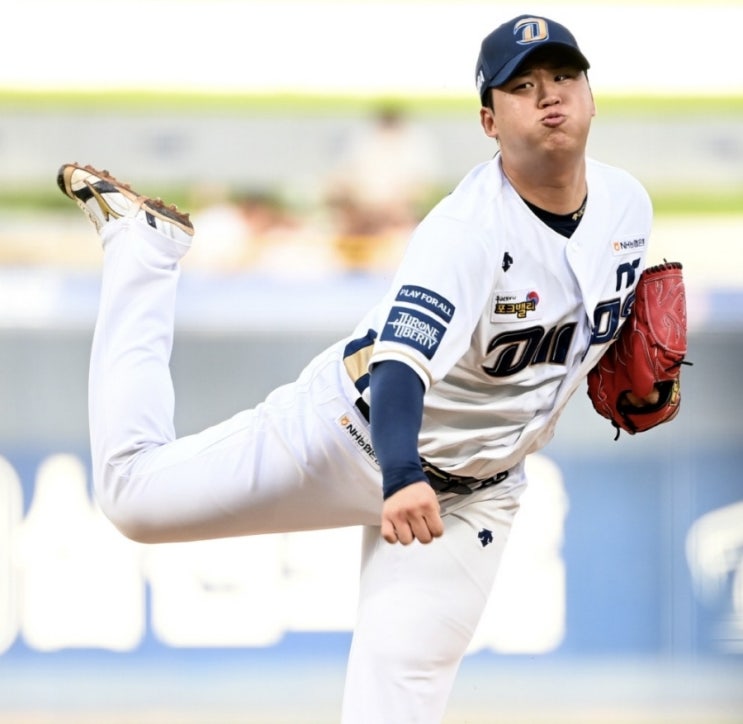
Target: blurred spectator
point(256, 231)
point(231, 228)
point(380, 186)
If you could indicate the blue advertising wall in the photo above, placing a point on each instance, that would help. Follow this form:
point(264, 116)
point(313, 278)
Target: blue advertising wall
point(628, 549)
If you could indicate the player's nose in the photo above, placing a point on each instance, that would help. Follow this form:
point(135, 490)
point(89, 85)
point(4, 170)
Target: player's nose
point(549, 95)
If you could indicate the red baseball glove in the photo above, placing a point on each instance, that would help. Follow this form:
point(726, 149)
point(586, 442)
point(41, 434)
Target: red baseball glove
point(647, 355)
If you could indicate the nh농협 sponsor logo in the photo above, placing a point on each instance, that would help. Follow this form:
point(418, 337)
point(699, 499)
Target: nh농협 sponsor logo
point(358, 436)
point(625, 246)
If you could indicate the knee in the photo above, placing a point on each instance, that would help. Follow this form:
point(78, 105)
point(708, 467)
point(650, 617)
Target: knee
point(129, 523)
point(117, 494)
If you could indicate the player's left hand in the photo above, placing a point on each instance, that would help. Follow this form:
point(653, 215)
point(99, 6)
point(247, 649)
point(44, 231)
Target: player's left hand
point(651, 399)
point(412, 513)
point(636, 384)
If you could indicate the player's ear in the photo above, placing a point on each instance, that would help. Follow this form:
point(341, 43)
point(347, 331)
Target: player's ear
point(487, 121)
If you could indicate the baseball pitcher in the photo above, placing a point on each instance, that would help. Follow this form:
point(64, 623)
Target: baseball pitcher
point(416, 425)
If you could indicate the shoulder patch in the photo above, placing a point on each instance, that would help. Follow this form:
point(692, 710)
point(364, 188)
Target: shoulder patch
point(413, 328)
point(433, 302)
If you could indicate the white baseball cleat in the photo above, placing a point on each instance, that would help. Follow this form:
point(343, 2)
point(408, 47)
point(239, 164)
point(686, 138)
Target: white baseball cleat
point(102, 198)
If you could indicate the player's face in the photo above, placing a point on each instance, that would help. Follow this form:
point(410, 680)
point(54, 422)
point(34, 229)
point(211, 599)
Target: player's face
point(546, 107)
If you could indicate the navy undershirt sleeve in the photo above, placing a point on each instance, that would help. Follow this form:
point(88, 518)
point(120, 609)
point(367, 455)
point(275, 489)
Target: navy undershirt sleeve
point(396, 415)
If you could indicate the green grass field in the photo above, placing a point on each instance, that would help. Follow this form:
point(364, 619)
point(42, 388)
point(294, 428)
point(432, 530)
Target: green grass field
point(154, 101)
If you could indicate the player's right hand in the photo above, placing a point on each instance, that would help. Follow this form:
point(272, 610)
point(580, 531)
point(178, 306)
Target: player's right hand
point(412, 513)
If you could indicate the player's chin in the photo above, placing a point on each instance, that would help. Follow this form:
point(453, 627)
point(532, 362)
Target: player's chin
point(565, 137)
point(557, 141)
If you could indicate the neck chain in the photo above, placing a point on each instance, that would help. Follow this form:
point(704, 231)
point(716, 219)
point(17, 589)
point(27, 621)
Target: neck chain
point(582, 210)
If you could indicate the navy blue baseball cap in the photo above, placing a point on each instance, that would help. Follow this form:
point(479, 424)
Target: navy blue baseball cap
point(509, 45)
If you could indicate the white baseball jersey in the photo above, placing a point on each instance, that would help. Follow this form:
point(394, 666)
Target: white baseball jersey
point(502, 317)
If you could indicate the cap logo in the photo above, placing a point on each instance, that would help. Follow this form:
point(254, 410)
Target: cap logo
point(532, 30)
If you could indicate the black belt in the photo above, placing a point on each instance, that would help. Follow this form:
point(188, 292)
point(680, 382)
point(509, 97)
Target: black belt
point(363, 408)
point(443, 482)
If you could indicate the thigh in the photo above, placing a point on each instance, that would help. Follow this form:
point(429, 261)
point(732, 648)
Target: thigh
point(419, 608)
point(288, 464)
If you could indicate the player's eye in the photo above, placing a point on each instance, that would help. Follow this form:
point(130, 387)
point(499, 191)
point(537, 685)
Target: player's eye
point(566, 75)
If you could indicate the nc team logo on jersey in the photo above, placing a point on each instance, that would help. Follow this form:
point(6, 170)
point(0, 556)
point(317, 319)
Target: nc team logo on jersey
point(521, 304)
point(628, 246)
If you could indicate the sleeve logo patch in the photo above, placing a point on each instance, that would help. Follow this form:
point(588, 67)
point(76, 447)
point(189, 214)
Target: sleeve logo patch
point(627, 246)
point(427, 299)
point(415, 329)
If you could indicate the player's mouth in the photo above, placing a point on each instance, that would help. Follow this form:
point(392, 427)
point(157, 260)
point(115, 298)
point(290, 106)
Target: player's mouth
point(552, 120)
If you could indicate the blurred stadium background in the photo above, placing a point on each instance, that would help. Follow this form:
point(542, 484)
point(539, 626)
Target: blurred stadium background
point(621, 599)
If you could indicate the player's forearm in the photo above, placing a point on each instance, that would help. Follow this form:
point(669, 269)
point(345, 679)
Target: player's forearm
point(396, 414)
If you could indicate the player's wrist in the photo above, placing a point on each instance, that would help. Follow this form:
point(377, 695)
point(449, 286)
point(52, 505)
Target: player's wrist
point(400, 478)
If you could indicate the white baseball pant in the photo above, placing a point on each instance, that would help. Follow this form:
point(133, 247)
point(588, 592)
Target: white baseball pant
point(288, 464)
